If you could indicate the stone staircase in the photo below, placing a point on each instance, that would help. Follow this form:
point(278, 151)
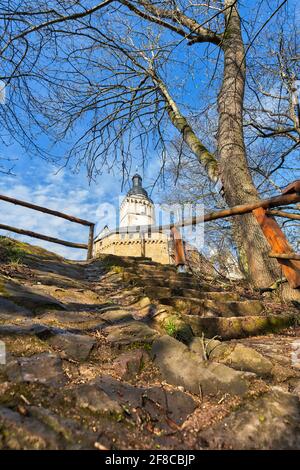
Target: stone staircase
point(125, 353)
point(209, 308)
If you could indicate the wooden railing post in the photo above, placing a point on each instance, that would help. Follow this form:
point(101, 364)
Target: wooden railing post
point(91, 242)
point(143, 244)
point(279, 245)
point(178, 247)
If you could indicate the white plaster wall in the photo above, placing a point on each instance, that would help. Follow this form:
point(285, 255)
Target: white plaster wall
point(136, 210)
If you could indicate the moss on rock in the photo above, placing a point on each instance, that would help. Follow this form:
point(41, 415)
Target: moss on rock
point(237, 327)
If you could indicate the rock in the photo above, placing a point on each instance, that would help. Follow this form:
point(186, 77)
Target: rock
point(223, 296)
point(213, 346)
point(129, 364)
point(77, 347)
point(179, 366)
point(296, 390)
point(143, 302)
point(120, 391)
point(8, 309)
point(42, 368)
point(269, 422)
point(175, 404)
point(156, 401)
point(90, 397)
point(134, 332)
point(237, 327)
point(155, 292)
point(242, 357)
point(27, 329)
point(22, 433)
point(196, 306)
point(41, 429)
point(16, 329)
point(143, 308)
point(72, 435)
point(245, 358)
point(196, 346)
point(116, 316)
point(282, 374)
point(73, 321)
point(235, 308)
point(77, 317)
point(29, 298)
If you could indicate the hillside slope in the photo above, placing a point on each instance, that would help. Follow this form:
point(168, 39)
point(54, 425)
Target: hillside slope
point(124, 353)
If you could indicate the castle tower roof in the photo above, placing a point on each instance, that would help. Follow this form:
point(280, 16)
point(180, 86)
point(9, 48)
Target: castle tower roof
point(137, 188)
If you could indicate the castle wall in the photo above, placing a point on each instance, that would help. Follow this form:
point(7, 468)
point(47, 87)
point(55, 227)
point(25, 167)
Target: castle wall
point(155, 247)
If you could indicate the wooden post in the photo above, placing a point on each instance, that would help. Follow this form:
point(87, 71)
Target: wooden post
point(178, 247)
point(143, 247)
point(91, 242)
point(279, 245)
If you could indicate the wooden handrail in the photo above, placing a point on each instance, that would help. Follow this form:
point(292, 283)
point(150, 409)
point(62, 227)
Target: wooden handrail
point(43, 237)
point(290, 195)
point(294, 256)
point(62, 215)
point(283, 200)
point(35, 207)
point(287, 215)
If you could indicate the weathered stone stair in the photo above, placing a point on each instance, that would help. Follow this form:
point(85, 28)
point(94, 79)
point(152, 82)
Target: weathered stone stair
point(207, 308)
point(118, 353)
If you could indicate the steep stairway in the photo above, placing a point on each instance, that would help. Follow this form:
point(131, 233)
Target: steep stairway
point(125, 353)
point(209, 308)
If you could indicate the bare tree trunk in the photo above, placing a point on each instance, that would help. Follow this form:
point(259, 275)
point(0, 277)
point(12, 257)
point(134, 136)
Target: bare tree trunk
point(237, 182)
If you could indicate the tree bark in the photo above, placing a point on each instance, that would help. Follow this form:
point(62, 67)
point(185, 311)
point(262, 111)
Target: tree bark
point(235, 175)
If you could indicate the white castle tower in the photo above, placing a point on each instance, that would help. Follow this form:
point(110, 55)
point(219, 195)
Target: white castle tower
point(137, 208)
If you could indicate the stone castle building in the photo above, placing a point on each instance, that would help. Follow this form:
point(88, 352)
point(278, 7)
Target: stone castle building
point(136, 211)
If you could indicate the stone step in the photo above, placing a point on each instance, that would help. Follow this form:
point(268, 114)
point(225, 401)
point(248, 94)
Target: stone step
point(160, 275)
point(154, 270)
point(151, 263)
point(238, 327)
point(216, 307)
point(157, 292)
point(170, 283)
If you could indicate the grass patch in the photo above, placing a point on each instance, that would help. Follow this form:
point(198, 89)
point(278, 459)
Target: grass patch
point(178, 329)
point(170, 327)
point(117, 269)
point(11, 251)
point(112, 261)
